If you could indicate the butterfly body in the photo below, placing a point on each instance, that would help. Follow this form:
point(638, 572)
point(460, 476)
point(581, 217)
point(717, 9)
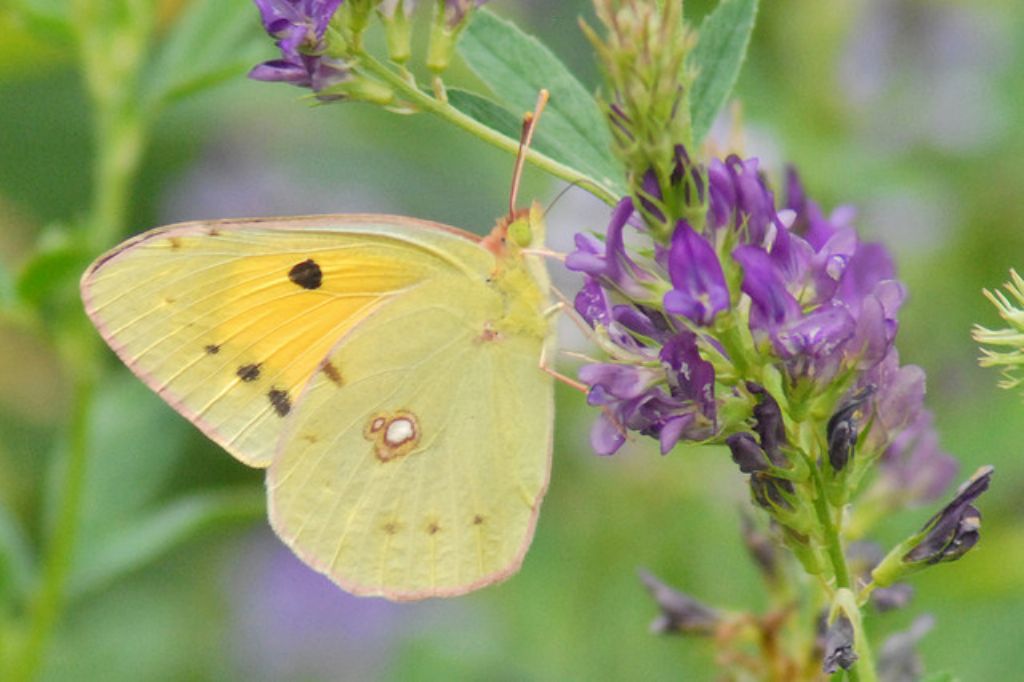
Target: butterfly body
point(384, 370)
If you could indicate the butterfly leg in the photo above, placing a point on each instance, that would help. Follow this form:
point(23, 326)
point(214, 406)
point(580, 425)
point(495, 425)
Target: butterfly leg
point(544, 253)
point(564, 306)
point(568, 381)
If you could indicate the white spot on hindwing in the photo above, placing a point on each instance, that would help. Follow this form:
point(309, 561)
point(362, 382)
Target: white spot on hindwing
point(393, 435)
point(399, 431)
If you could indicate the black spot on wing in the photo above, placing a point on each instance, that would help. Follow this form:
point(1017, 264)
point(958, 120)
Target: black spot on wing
point(249, 372)
point(212, 349)
point(306, 274)
point(281, 402)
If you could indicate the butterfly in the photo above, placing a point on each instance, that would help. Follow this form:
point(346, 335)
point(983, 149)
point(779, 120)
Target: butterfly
point(384, 370)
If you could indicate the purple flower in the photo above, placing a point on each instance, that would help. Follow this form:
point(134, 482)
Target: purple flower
point(592, 303)
point(913, 468)
point(773, 305)
point(455, 11)
point(610, 263)
point(698, 290)
point(685, 182)
point(740, 200)
point(299, 27)
point(667, 396)
point(810, 345)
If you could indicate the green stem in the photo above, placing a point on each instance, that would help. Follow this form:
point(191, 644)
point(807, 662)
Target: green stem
point(48, 601)
point(864, 669)
point(412, 93)
point(120, 138)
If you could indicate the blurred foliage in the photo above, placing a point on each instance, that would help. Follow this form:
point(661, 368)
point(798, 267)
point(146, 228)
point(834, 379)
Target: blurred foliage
point(907, 109)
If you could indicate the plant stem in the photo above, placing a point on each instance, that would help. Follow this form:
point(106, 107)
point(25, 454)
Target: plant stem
point(120, 138)
point(119, 132)
point(864, 669)
point(410, 91)
point(46, 605)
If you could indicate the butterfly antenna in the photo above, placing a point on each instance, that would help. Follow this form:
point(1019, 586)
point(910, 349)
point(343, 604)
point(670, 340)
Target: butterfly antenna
point(525, 137)
point(558, 197)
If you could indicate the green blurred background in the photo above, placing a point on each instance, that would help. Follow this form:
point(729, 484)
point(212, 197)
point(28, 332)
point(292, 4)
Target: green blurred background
point(912, 111)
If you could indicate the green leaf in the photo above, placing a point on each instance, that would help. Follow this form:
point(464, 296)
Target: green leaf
point(719, 54)
point(516, 66)
point(501, 120)
point(212, 42)
point(147, 537)
point(486, 111)
point(50, 273)
point(16, 560)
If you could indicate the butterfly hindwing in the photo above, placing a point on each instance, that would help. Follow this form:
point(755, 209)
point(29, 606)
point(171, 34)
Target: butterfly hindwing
point(423, 474)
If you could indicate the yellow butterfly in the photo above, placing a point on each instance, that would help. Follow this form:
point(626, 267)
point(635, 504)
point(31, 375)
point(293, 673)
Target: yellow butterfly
point(384, 370)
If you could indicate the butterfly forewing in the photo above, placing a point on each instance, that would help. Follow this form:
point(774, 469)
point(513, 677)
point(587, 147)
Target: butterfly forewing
point(229, 320)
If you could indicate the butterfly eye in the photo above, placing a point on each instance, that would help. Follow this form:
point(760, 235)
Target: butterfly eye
point(520, 233)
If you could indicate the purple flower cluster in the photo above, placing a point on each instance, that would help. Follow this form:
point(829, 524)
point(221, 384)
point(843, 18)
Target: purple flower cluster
point(660, 385)
point(825, 301)
point(299, 27)
point(822, 308)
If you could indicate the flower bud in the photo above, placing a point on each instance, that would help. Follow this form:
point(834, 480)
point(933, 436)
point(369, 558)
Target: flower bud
point(946, 536)
point(747, 453)
point(450, 17)
point(842, 430)
point(396, 15)
point(839, 651)
point(680, 613)
point(769, 425)
point(643, 55)
point(955, 529)
point(770, 492)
